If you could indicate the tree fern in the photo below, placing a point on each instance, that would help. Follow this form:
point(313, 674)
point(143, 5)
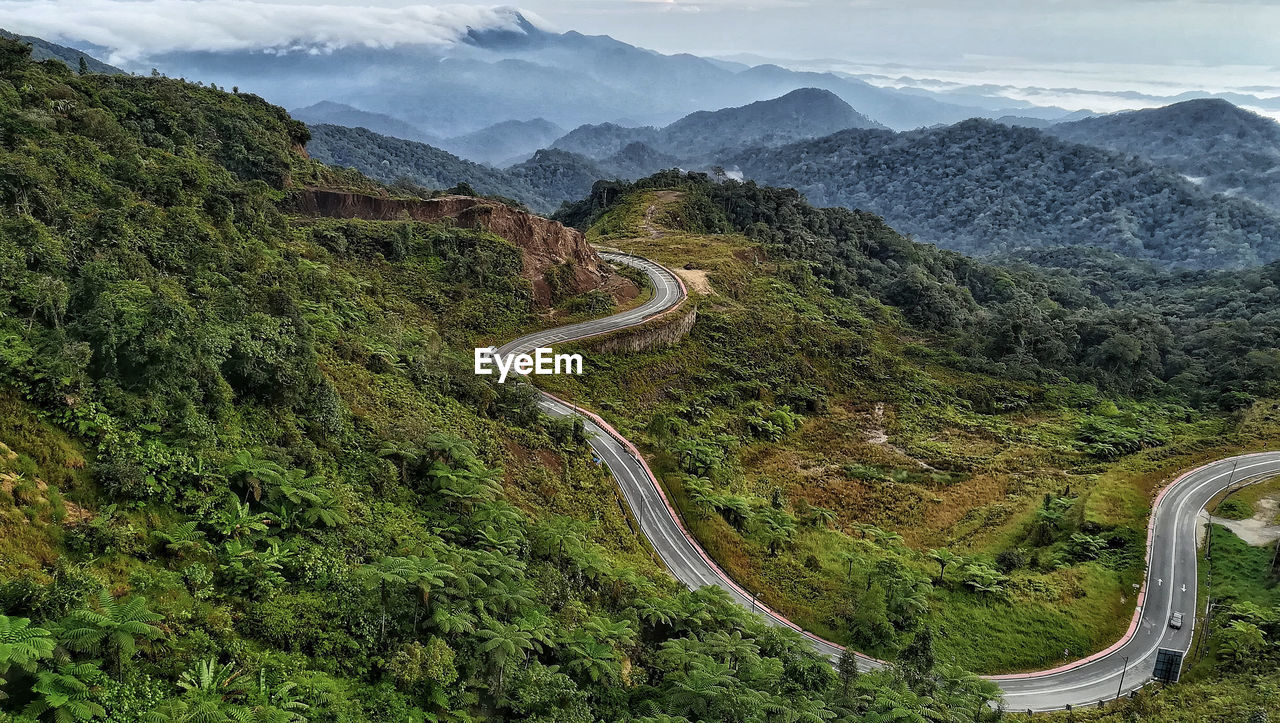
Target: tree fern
point(66, 695)
point(21, 644)
point(181, 539)
point(113, 628)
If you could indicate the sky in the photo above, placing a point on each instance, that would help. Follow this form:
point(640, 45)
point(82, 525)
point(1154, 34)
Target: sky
point(1126, 31)
point(1042, 49)
point(1203, 32)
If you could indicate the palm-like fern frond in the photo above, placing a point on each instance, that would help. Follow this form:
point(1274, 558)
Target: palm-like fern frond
point(21, 644)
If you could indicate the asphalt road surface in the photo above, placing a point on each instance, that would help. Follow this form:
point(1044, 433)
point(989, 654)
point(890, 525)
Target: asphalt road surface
point(1171, 575)
point(1170, 587)
point(667, 292)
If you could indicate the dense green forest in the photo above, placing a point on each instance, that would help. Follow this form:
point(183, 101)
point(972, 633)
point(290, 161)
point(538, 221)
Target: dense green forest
point(1225, 148)
point(1206, 337)
point(981, 187)
point(247, 474)
point(559, 175)
point(390, 159)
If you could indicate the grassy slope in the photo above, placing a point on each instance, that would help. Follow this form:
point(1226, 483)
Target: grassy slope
point(1211, 688)
point(951, 473)
point(1241, 504)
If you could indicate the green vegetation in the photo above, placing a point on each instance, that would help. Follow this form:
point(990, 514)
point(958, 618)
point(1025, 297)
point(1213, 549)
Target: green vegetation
point(1240, 573)
point(409, 163)
point(981, 187)
point(246, 472)
point(1236, 157)
point(559, 175)
point(1234, 508)
point(879, 467)
point(1204, 338)
point(1231, 673)
point(1246, 501)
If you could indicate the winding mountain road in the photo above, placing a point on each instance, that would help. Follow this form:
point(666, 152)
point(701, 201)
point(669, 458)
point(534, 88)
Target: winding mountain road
point(1127, 665)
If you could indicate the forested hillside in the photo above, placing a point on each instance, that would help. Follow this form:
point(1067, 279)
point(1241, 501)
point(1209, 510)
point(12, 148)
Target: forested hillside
point(543, 182)
point(1220, 146)
point(391, 159)
point(705, 136)
point(981, 187)
point(1209, 337)
point(246, 472)
point(605, 139)
point(44, 50)
point(560, 175)
point(925, 455)
point(339, 114)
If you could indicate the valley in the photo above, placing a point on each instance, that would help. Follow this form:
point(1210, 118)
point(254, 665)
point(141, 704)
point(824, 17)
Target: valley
point(1175, 517)
point(846, 501)
point(897, 401)
point(998, 190)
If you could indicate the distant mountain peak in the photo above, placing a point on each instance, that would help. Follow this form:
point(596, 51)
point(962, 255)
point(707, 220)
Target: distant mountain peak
point(811, 95)
point(1219, 103)
point(506, 142)
point(1224, 148)
point(808, 105)
point(799, 114)
point(1201, 110)
point(326, 105)
point(524, 34)
point(706, 135)
point(1186, 113)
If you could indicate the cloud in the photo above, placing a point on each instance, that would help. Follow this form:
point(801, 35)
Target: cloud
point(133, 29)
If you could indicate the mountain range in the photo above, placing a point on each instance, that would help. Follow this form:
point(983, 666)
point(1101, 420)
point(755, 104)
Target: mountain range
point(706, 136)
point(44, 50)
point(390, 160)
point(1121, 183)
point(1193, 184)
point(527, 72)
point(982, 187)
point(1220, 146)
point(501, 144)
point(383, 148)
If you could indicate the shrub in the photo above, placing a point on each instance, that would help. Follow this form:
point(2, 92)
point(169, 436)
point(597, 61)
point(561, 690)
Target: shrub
point(1234, 508)
point(1009, 560)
